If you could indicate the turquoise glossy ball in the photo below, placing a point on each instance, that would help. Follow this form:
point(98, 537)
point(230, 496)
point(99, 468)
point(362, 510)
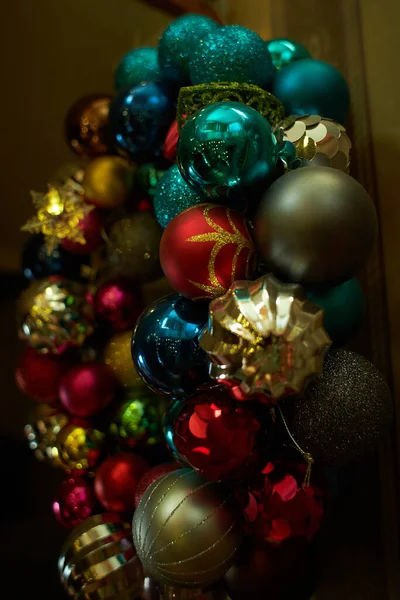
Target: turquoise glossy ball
point(232, 54)
point(283, 52)
point(312, 87)
point(226, 150)
point(140, 64)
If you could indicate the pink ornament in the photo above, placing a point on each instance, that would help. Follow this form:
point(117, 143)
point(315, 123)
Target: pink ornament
point(117, 304)
point(91, 227)
point(74, 502)
point(87, 389)
point(171, 142)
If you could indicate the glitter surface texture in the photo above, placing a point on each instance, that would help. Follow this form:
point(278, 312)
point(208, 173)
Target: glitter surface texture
point(173, 195)
point(140, 64)
point(232, 53)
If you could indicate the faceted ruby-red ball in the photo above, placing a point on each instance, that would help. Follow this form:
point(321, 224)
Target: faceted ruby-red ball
point(171, 142)
point(117, 304)
point(205, 249)
point(39, 375)
point(87, 389)
point(74, 502)
point(117, 479)
point(150, 477)
point(91, 227)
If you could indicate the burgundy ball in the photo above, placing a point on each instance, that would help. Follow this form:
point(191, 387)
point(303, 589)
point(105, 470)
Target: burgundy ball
point(87, 389)
point(117, 479)
point(91, 227)
point(74, 502)
point(117, 304)
point(150, 477)
point(39, 375)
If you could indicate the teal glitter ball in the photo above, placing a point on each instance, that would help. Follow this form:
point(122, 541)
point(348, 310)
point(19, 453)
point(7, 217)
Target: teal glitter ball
point(283, 52)
point(313, 87)
point(178, 42)
point(344, 309)
point(232, 54)
point(173, 195)
point(140, 64)
point(227, 150)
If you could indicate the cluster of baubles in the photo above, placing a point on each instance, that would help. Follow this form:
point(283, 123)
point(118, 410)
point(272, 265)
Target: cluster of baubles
point(222, 163)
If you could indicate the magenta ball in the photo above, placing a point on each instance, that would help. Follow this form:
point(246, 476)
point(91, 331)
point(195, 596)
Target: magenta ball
point(87, 389)
point(117, 304)
point(74, 502)
point(91, 227)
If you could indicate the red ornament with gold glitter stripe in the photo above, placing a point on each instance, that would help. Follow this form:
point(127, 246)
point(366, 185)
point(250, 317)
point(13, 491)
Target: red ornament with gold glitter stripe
point(205, 249)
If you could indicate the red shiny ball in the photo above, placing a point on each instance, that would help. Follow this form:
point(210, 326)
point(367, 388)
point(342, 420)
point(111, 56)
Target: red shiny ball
point(117, 479)
point(171, 142)
point(117, 304)
point(205, 249)
point(74, 502)
point(150, 477)
point(91, 227)
point(87, 389)
point(216, 436)
point(39, 375)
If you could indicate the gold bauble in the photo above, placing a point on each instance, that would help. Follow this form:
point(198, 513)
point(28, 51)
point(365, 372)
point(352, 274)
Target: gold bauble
point(79, 447)
point(117, 356)
point(98, 560)
point(42, 431)
point(108, 181)
point(186, 530)
point(153, 589)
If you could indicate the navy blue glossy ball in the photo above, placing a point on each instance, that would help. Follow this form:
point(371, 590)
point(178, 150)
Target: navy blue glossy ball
point(140, 117)
point(38, 263)
point(165, 347)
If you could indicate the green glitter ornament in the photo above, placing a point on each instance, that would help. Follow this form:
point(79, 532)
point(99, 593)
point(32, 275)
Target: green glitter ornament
point(283, 52)
point(173, 195)
point(140, 64)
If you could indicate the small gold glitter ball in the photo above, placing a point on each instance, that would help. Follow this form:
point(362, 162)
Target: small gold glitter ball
point(79, 447)
point(117, 356)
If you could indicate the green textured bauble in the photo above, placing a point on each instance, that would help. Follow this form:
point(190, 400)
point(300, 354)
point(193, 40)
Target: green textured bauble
point(178, 42)
point(140, 64)
point(283, 52)
point(232, 53)
point(344, 309)
point(173, 195)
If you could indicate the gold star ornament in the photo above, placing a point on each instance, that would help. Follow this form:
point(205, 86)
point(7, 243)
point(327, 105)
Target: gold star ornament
point(264, 337)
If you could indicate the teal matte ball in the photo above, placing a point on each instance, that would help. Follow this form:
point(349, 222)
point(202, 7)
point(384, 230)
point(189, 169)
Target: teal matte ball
point(312, 87)
point(140, 64)
point(344, 309)
point(284, 52)
point(173, 195)
point(177, 44)
point(232, 54)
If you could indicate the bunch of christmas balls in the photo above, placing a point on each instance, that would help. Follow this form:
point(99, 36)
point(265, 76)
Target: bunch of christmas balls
point(221, 162)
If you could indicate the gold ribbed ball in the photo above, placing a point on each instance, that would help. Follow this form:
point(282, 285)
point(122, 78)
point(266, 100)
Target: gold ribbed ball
point(117, 356)
point(186, 530)
point(108, 181)
point(98, 560)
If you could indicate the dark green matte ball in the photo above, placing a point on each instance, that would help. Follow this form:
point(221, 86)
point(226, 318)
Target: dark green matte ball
point(140, 64)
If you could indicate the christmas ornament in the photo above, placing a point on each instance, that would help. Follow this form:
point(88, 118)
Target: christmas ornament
point(345, 413)
point(108, 181)
point(74, 502)
point(148, 175)
point(54, 315)
point(165, 346)
point(86, 125)
point(173, 195)
point(153, 589)
point(344, 309)
point(171, 143)
point(196, 97)
point(38, 262)
point(39, 375)
point(98, 560)
point(263, 337)
point(283, 52)
point(151, 476)
point(116, 480)
point(227, 149)
point(87, 389)
point(140, 116)
point(215, 436)
point(316, 226)
point(178, 42)
point(312, 87)
point(205, 249)
point(118, 358)
point(138, 65)
point(41, 433)
point(117, 304)
point(132, 248)
point(186, 530)
point(79, 446)
point(139, 419)
point(232, 53)
point(91, 228)
point(318, 142)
